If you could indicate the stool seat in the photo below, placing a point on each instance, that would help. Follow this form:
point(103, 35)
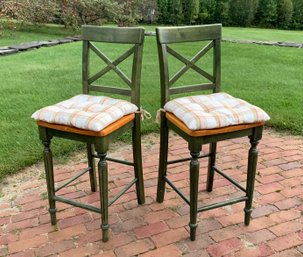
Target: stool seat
point(86, 112)
point(213, 111)
point(102, 133)
point(207, 132)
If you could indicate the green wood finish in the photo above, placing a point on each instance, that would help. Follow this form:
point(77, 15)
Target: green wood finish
point(183, 34)
point(251, 172)
point(67, 182)
point(137, 158)
point(136, 74)
point(49, 172)
point(162, 169)
point(211, 165)
point(91, 165)
point(194, 189)
point(111, 65)
point(85, 67)
point(190, 88)
point(212, 33)
point(77, 204)
point(186, 159)
point(171, 35)
point(111, 90)
point(118, 195)
point(221, 204)
point(234, 182)
point(217, 65)
point(112, 35)
point(189, 64)
point(134, 36)
point(101, 144)
point(103, 187)
point(177, 190)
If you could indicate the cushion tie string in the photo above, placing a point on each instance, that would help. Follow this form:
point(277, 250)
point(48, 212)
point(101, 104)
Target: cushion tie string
point(144, 114)
point(158, 115)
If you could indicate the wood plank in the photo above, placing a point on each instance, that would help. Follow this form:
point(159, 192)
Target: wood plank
point(191, 88)
point(168, 35)
point(106, 131)
point(112, 35)
point(207, 132)
point(111, 90)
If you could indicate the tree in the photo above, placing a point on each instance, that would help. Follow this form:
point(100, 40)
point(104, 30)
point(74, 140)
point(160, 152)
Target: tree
point(241, 12)
point(148, 10)
point(38, 11)
point(162, 7)
point(284, 11)
point(297, 19)
point(74, 13)
point(222, 11)
point(207, 11)
point(176, 13)
point(190, 11)
point(267, 13)
point(126, 13)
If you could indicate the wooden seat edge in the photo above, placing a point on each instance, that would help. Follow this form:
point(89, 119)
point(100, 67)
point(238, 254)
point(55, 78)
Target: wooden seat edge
point(207, 132)
point(104, 132)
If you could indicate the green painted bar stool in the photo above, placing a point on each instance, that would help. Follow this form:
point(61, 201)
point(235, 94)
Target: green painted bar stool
point(97, 120)
point(203, 119)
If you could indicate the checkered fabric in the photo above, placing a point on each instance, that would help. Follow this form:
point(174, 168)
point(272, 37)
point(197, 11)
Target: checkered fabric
point(86, 112)
point(214, 111)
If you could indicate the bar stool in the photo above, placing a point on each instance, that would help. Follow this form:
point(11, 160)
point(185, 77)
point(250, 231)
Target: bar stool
point(97, 120)
point(203, 119)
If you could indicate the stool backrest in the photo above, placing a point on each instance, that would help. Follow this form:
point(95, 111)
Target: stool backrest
point(132, 36)
point(177, 35)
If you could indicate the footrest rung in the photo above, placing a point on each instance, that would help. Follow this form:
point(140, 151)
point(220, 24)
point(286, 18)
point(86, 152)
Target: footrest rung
point(221, 204)
point(187, 159)
point(77, 204)
point(72, 179)
point(231, 180)
point(115, 160)
point(117, 196)
point(178, 191)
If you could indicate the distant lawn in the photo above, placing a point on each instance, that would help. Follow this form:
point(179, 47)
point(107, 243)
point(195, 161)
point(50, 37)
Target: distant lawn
point(263, 34)
point(28, 33)
point(270, 77)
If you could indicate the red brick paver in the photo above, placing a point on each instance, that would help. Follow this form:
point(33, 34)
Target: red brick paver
point(155, 229)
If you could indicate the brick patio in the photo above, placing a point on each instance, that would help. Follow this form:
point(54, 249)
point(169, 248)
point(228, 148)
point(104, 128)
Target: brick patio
point(157, 229)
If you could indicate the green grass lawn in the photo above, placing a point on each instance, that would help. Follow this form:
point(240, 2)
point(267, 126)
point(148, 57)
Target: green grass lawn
point(269, 77)
point(263, 34)
point(27, 33)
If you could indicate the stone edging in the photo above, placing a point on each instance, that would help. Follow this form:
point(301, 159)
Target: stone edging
point(268, 43)
point(36, 44)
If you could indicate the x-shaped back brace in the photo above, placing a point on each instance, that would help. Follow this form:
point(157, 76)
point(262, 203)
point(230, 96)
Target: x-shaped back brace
point(190, 64)
point(111, 65)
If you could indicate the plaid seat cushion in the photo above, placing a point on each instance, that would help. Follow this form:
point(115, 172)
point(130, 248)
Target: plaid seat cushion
point(214, 111)
point(86, 112)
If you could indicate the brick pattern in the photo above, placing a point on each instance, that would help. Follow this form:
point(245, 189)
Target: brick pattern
point(156, 229)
